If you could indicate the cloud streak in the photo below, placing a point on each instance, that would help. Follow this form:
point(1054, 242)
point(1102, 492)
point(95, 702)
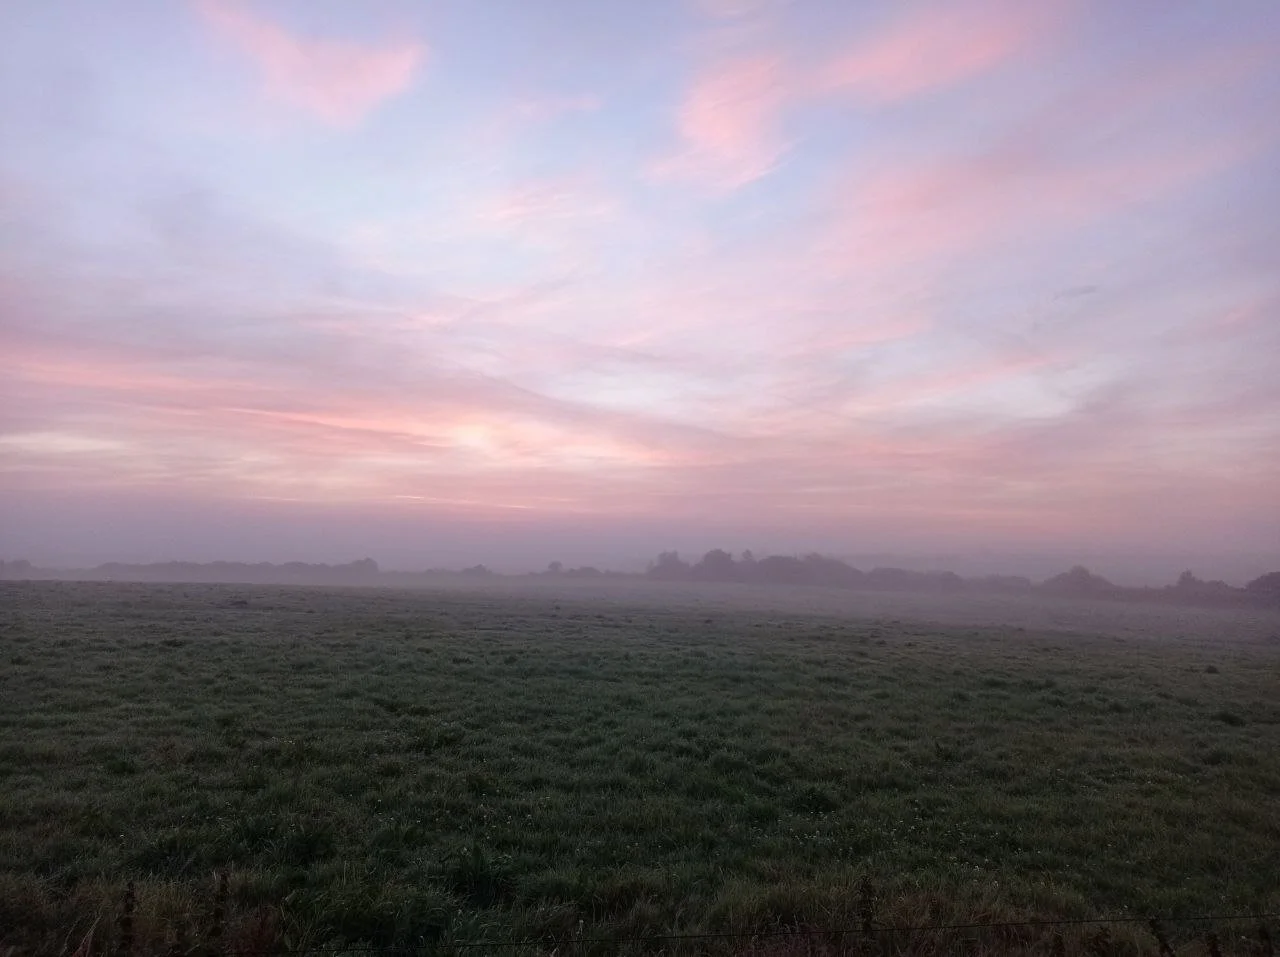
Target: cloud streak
point(336, 81)
point(934, 47)
point(731, 116)
point(727, 124)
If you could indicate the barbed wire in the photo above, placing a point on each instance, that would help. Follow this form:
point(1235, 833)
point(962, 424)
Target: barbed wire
point(863, 931)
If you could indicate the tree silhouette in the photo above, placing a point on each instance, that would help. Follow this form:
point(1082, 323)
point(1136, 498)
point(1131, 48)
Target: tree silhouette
point(717, 565)
point(1266, 587)
point(669, 567)
point(1079, 581)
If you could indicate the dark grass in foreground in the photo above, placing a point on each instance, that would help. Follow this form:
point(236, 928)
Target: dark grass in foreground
point(390, 768)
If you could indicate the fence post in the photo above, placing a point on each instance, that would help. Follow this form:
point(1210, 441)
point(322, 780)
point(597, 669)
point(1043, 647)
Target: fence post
point(1100, 942)
point(866, 904)
point(1211, 942)
point(1059, 944)
point(219, 916)
point(1161, 939)
point(126, 919)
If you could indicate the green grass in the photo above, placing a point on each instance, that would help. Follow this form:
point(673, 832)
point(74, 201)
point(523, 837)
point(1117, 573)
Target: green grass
point(398, 767)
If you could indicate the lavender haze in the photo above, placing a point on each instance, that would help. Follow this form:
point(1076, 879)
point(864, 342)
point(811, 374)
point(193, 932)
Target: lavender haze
point(453, 282)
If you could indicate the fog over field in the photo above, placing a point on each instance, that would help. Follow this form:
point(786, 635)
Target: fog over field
point(70, 533)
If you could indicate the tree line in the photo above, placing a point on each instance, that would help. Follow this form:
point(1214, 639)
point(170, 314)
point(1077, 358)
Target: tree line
point(716, 565)
point(719, 565)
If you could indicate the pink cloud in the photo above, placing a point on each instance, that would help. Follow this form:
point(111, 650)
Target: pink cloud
point(933, 48)
point(727, 123)
point(729, 119)
point(226, 428)
point(245, 432)
point(937, 212)
point(1096, 150)
point(546, 202)
point(336, 81)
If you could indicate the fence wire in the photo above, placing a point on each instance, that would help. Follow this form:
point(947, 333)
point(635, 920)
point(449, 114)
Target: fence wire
point(1154, 923)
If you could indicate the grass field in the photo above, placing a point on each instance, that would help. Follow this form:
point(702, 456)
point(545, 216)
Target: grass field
point(393, 768)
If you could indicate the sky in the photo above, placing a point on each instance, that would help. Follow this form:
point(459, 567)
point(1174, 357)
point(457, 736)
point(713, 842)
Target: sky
point(445, 281)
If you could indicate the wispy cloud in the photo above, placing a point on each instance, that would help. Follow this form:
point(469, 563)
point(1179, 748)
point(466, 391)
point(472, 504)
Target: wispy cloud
point(337, 81)
point(731, 116)
point(965, 206)
point(542, 203)
point(728, 124)
point(934, 47)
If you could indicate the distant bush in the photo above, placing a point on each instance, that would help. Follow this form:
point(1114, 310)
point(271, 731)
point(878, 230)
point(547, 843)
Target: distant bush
point(1265, 587)
point(1079, 581)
